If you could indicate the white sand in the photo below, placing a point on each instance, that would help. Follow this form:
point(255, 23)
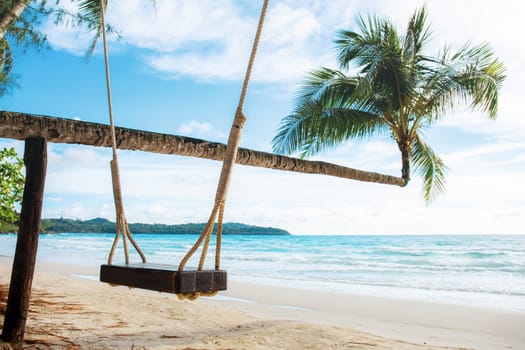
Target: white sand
point(70, 312)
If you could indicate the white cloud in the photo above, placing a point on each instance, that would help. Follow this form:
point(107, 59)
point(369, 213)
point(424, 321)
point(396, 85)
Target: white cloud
point(75, 210)
point(200, 129)
point(489, 153)
point(192, 38)
point(210, 40)
point(207, 40)
point(77, 170)
point(64, 36)
point(372, 155)
point(172, 25)
point(67, 38)
point(17, 145)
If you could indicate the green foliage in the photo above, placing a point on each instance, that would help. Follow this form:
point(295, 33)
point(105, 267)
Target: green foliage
point(7, 79)
point(89, 17)
point(11, 184)
point(7, 227)
point(24, 32)
point(399, 90)
point(100, 225)
point(21, 32)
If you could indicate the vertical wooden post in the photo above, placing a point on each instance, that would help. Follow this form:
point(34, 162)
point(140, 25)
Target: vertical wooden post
point(35, 159)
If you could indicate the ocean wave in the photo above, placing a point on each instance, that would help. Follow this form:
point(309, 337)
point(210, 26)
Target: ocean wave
point(478, 268)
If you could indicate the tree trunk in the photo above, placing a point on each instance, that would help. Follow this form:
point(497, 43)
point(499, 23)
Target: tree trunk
point(9, 15)
point(35, 159)
point(20, 126)
point(404, 147)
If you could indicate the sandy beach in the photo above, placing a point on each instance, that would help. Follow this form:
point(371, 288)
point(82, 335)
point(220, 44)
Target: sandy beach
point(71, 311)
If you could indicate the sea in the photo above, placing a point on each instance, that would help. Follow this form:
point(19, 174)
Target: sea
point(477, 270)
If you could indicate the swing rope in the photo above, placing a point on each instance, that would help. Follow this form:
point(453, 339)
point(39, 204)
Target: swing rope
point(230, 155)
point(121, 223)
point(224, 179)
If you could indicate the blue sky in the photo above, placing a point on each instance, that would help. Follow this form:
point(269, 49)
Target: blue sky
point(178, 69)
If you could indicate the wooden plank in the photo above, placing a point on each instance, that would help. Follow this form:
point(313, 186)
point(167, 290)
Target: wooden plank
point(164, 278)
point(35, 158)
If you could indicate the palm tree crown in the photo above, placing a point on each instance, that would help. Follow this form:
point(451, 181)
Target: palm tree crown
point(398, 91)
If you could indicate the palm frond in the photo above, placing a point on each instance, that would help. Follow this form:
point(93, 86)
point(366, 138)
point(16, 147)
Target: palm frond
point(318, 83)
point(417, 36)
point(333, 89)
point(473, 75)
point(377, 51)
point(415, 62)
point(436, 93)
point(90, 11)
point(348, 44)
point(358, 47)
point(89, 14)
point(431, 168)
point(313, 129)
point(92, 45)
point(293, 134)
point(481, 76)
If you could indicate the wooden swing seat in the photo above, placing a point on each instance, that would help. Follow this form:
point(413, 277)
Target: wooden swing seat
point(164, 278)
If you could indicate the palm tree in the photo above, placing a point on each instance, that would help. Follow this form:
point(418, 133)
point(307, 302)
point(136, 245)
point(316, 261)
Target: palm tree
point(398, 91)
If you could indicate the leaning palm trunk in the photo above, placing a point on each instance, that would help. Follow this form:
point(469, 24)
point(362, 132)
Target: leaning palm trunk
point(20, 126)
point(11, 14)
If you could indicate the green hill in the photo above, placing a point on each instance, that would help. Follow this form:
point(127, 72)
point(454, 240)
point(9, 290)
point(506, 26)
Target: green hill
point(6, 227)
point(100, 225)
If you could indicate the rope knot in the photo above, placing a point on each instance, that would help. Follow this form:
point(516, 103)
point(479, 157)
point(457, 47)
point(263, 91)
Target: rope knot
point(239, 119)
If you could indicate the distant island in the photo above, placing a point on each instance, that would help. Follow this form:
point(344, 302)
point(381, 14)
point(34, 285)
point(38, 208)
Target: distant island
point(100, 225)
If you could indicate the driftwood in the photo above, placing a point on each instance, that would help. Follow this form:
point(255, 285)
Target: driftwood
point(20, 126)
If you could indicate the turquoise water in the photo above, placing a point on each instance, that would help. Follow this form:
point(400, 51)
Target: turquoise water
point(487, 271)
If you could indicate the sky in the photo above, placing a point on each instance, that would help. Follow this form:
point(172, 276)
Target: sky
point(177, 68)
